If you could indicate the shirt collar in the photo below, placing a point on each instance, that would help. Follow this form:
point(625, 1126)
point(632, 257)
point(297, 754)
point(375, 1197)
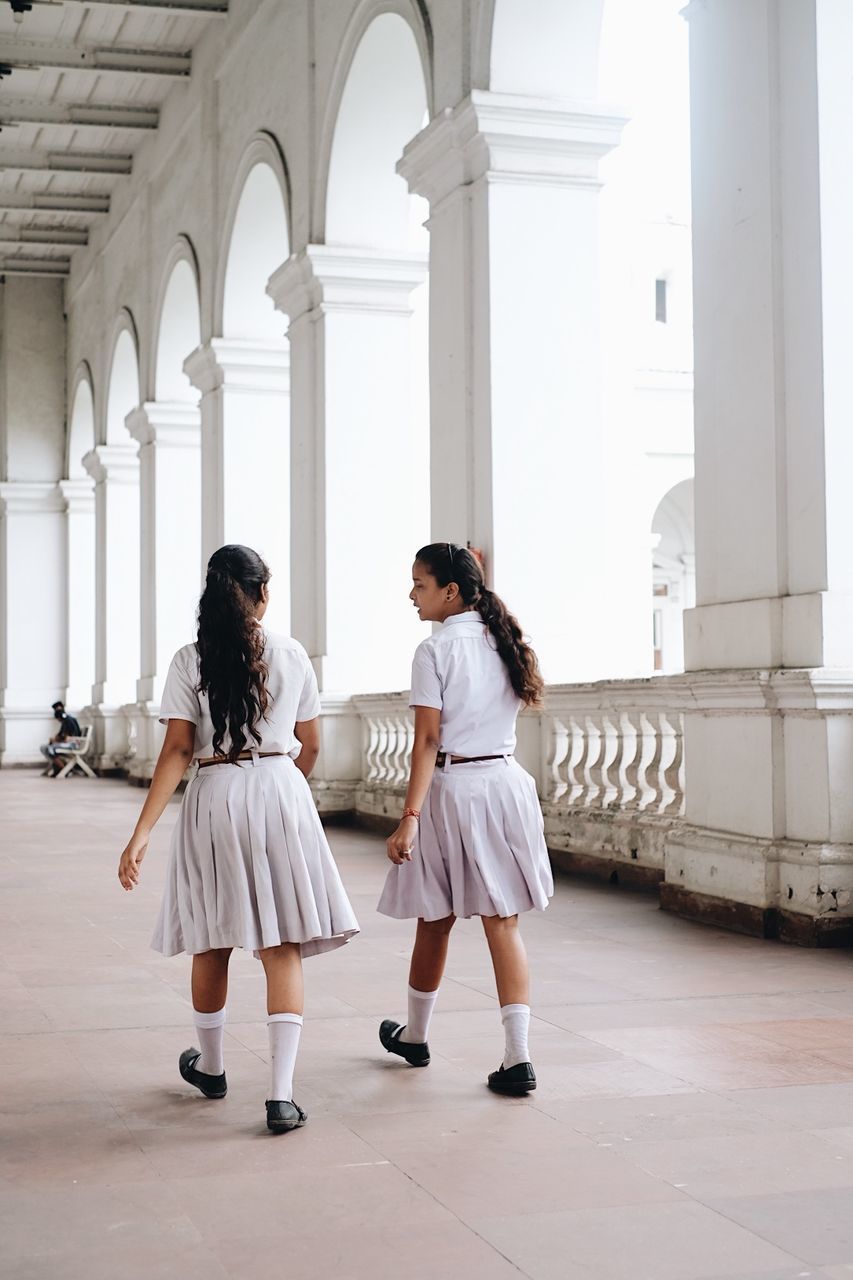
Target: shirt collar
point(470, 615)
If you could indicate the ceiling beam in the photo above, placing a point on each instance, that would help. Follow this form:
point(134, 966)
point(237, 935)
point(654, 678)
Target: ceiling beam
point(20, 266)
point(67, 56)
point(64, 161)
point(185, 8)
point(87, 205)
point(49, 237)
point(14, 111)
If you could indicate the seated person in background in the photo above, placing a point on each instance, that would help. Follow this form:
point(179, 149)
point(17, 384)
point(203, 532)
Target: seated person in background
point(68, 728)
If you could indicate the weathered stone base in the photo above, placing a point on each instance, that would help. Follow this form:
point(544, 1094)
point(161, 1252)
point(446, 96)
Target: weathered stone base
point(758, 922)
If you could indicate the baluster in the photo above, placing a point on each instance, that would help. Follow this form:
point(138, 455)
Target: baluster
point(596, 743)
point(370, 738)
point(611, 750)
point(402, 748)
point(632, 755)
point(673, 794)
point(650, 766)
point(382, 751)
point(573, 767)
point(558, 753)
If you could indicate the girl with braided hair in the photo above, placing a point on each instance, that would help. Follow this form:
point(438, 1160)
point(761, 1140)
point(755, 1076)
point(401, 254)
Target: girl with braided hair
point(471, 840)
point(250, 866)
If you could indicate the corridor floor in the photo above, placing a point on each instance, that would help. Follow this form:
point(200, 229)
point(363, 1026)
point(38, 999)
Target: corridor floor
point(694, 1116)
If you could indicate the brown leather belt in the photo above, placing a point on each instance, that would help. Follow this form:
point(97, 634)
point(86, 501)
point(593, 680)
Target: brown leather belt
point(244, 755)
point(441, 759)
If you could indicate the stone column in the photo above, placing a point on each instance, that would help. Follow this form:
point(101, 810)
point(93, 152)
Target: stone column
point(359, 460)
point(769, 750)
point(170, 528)
point(79, 496)
point(32, 617)
point(517, 447)
point(245, 454)
point(115, 470)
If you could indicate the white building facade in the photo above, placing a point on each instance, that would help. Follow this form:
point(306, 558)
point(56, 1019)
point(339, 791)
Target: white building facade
point(349, 295)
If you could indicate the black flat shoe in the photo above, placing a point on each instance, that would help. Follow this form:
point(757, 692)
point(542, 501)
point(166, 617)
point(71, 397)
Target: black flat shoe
point(417, 1055)
point(210, 1086)
point(284, 1116)
point(515, 1081)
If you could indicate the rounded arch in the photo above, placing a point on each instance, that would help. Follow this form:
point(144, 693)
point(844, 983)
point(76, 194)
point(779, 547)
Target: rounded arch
point(673, 521)
point(178, 324)
point(554, 55)
point(381, 97)
point(256, 242)
point(123, 389)
point(80, 437)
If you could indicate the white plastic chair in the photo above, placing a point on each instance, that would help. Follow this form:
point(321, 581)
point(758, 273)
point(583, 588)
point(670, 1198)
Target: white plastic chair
point(73, 751)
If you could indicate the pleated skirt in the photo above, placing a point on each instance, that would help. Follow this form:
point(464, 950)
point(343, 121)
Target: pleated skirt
point(250, 865)
point(480, 848)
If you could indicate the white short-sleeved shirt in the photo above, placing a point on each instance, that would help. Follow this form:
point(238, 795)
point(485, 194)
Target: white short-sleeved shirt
point(292, 688)
point(459, 671)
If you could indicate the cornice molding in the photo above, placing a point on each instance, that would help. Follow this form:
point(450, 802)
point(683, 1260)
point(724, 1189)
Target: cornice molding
point(174, 424)
point(113, 464)
point(328, 278)
point(240, 364)
point(79, 495)
point(30, 498)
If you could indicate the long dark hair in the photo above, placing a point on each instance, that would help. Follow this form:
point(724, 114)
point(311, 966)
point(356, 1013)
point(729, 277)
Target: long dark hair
point(233, 673)
point(447, 563)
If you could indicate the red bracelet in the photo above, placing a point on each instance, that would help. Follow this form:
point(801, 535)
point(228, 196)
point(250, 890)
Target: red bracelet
point(411, 813)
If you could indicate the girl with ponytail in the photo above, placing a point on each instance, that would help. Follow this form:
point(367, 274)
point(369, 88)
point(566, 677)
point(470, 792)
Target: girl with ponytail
point(471, 839)
point(250, 866)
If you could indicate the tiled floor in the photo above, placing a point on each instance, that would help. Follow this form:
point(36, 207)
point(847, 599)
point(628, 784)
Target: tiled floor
point(694, 1117)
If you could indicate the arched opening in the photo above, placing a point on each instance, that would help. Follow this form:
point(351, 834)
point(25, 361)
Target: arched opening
point(258, 244)
point(179, 334)
point(674, 574)
point(550, 55)
point(81, 428)
point(123, 387)
point(376, 356)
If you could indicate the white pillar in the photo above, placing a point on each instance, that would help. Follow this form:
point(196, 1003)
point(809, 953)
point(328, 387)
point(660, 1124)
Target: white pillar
point(245, 455)
point(79, 496)
point(517, 448)
point(32, 609)
point(359, 460)
point(115, 470)
point(770, 752)
point(169, 436)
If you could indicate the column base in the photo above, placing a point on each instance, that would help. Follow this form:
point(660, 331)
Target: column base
point(758, 922)
point(111, 743)
point(22, 731)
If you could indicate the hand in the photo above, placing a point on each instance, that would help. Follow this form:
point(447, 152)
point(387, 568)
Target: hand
point(128, 867)
point(399, 845)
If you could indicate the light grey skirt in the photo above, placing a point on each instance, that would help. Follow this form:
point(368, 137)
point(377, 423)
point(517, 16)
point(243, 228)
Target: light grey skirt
point(250, 865)
point(480, 848)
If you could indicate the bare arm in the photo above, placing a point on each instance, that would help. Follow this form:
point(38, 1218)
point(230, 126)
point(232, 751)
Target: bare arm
point(308, 733)
point(175, 755)
point(424, 752)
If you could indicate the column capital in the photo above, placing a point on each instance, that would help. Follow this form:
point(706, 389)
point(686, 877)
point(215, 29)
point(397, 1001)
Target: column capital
point(240, 364)
point(326, 278)
point(79, 495)
point(30, 497)
point(506, 137)
point(175, 424)
point(115, 463)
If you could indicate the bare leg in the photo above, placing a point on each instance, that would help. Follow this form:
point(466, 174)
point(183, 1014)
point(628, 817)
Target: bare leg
point(509, 959)
point(210, 980)
point(285, 987)
point(430, 953)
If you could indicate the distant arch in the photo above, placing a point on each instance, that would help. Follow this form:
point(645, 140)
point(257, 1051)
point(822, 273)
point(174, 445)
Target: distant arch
point(542, 48)
point(380, 99)
point(178, 322)
point(123, 390)
point(80, 438)
point(257, 242)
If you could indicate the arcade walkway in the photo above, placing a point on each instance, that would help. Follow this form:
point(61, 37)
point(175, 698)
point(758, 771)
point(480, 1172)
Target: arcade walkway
point(694, 1117)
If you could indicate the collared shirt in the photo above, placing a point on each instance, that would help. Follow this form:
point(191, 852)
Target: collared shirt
point(292, 688)
point(460, 672)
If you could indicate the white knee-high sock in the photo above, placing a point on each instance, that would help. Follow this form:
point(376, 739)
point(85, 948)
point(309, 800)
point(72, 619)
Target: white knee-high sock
point(285, 1031)
point(421, 1005)
point(210, 1028)
point(516, 1020)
